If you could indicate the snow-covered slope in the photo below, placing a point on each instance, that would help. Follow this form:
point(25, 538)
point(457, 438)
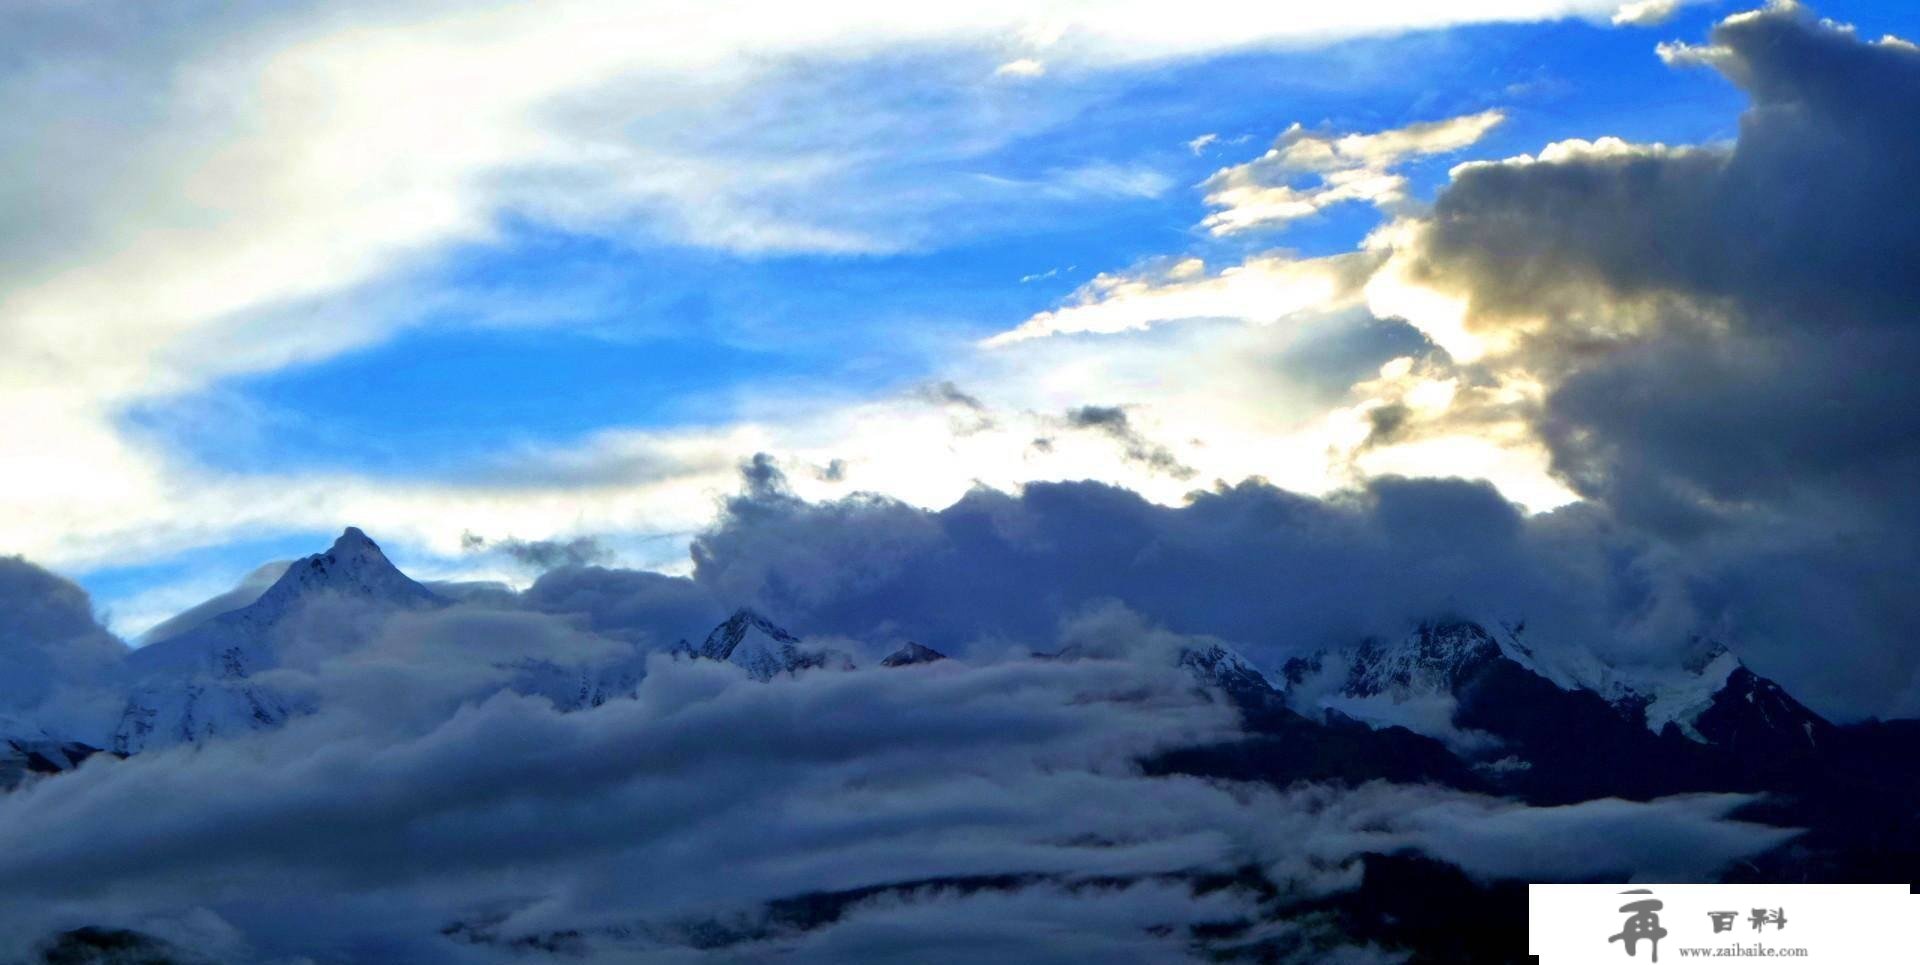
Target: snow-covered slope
point(195, 708)
point(1435, 660)
point(201, 683)
point(1227, 669)
point(1709, 698)
point(765, 651)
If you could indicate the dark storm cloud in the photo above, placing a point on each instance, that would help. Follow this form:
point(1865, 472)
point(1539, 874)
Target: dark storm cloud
point(1728, 342)
point(1112, 422)
point(545, 554)
point(38, 608)
point(1726, 325)
point(651, 609)
point(763, 477)
point(1270, 571)
point(1807, 221)
point(49, 635)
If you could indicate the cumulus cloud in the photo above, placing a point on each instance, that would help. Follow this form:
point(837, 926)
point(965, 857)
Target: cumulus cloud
point(50, 642)
point(1717, 335)
point(652, 610)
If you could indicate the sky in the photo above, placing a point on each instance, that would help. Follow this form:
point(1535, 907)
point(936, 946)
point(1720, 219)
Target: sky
point(475, 275)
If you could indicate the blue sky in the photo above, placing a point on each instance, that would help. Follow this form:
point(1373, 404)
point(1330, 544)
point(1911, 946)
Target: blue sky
point(650, 334)
point(770, 253)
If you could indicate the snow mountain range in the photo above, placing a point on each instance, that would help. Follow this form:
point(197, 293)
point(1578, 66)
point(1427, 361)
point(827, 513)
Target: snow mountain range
point(1442, 680)
point(1713, 699)
point(1449, 703)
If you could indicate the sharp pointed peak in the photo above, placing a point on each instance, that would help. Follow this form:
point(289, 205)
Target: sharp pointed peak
point(746, 615)
point(354, 541)
point(910, 654)
point(354, 563)
point(725, 637)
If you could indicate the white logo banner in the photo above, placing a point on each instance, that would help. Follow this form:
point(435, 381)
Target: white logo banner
point(1642, 923)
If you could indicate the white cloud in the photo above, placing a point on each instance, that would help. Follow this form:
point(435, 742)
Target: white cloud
point(1352, 167)
point(1262, 289)
point(1096, 180)
point(1646, 13)
point(1024, 67)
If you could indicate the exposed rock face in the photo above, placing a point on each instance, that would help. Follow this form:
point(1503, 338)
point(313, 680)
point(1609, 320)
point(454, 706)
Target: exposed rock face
point(27, 753)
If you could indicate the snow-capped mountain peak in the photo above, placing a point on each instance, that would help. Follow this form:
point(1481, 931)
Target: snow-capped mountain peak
point(1227, 669)
point(1434, 658)
point(234, 643)
point(1711, 697)
point(198, 682)
point(353, 566)
point(912, 654)
point(750, 640)
point(744, 627)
